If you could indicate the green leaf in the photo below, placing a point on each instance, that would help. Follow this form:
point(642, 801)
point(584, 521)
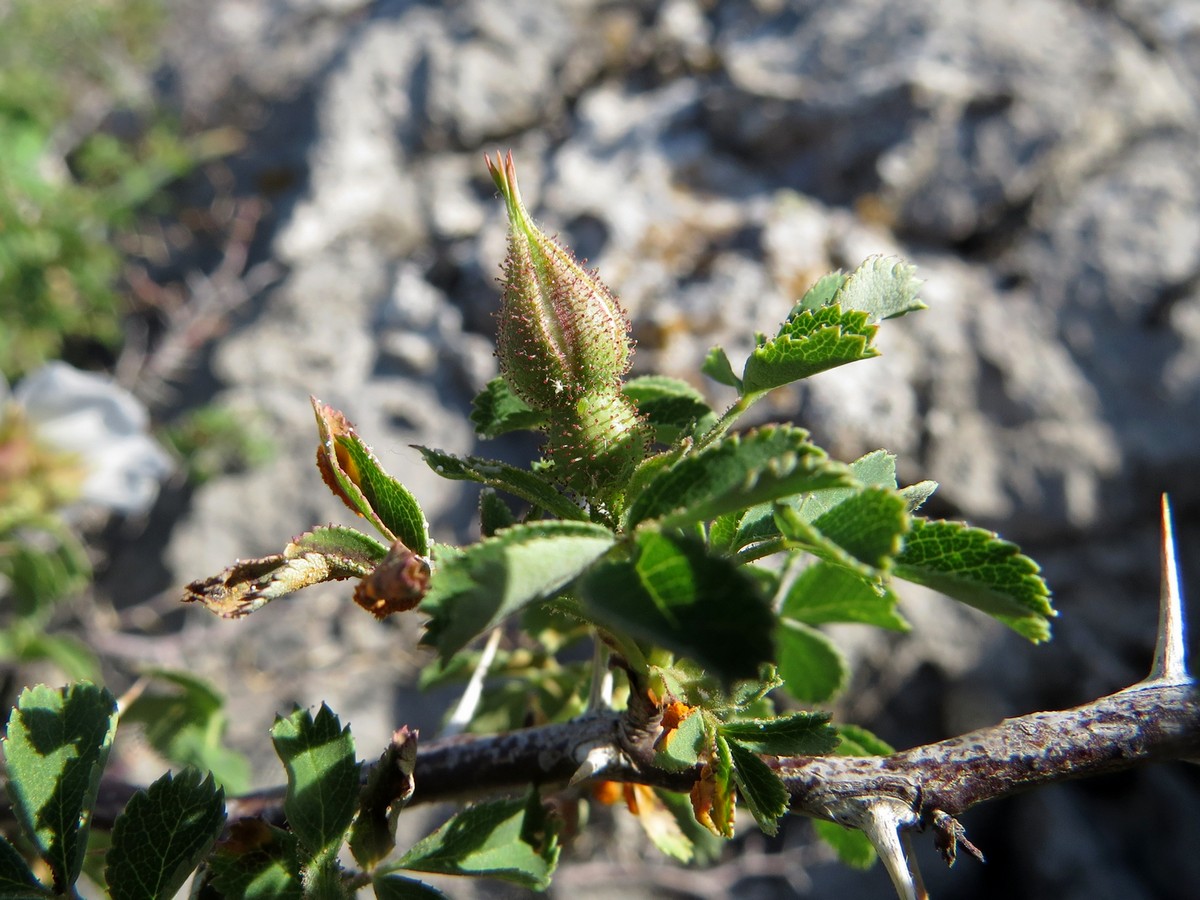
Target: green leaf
point(980, 569)
point(518, 482)
point(824, 592)
point(716, 366)
point(397, 887)
point(823, 291)
point(494, 513)
point(55, 749)
point(738, 472)
point(257, 862)
point(187, 725)
point(857, 741)
point(852, 847)
point(515, 840)
point(762, 790)
point(30, 644)
point(672, 407)
point(162, 835)
point(349, 545)
point(811, 667)
point(496, 410)
point(915, 495)
point(682, 747)
point(863, 532)
point(882, 287)
point(324, 554)
point(351, 471)
point(798, 734)
point(17, 882)
point(475, 589)
point(678, 597)
point(809, 342)
point(323, 777)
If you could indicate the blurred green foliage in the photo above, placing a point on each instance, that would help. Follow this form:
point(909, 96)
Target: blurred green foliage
point(67, 188)
point(216, 440)
point(41, 559)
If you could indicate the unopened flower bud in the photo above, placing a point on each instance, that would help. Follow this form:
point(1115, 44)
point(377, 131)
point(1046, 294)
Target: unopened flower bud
point(564, 348)
point(562, 333)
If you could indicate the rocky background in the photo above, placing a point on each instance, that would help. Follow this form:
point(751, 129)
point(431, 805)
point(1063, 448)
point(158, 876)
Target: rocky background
point(1037, 159)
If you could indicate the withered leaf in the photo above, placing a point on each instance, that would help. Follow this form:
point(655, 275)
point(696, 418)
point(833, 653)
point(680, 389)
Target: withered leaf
point(396, 585)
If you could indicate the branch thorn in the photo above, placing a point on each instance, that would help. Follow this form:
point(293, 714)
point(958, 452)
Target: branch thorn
point(598, 760)
point(1170, 654)
point(885, 822)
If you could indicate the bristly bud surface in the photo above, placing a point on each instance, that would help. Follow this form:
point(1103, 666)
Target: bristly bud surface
point(562, 333)
point(564, 347)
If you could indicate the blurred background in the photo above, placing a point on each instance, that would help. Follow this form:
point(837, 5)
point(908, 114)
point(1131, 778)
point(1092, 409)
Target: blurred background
point(211, 210)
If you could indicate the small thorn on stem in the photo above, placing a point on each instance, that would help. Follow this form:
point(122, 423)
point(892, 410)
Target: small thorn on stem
point(598, 760)
point(1170, 654)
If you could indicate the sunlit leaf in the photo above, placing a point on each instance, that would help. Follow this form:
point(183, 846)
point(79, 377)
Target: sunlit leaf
point(186, 724)
point(55, 749)
point(515, 840)
point(738, 472)
point(325, 554)
point(323, 785)
point(503, 477)
point(352, 472)
point(812, 668)
point(824, 592)
point(980, 569)
point(716, 366)
point(476, 588)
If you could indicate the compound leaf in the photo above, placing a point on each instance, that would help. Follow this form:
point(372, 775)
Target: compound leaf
point(717, 367)
point(55, 749)
point(474, 589)
point(186, 726)
point(161, 836)
point(882, 287)
point(980, 569)
point(330, 553)
point(397, 887)
point(809, 342)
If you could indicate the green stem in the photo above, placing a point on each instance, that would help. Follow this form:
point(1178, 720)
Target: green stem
point(730, 416)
